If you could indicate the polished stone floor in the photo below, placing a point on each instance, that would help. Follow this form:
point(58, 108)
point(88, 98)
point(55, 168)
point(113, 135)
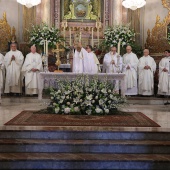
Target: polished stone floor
point(154, 108)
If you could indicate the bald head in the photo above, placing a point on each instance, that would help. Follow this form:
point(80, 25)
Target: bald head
point(128, 49)
point(33, 48)
point(146, 52)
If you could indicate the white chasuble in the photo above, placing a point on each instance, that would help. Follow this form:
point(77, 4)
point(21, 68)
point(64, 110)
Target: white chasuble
point(164, 79)
point(32, 61)
point(2, 71)
point(113, 68)
point(146, 77)
point(13, 71)
point(90, 63)
point(77, 62)
point(130, 60)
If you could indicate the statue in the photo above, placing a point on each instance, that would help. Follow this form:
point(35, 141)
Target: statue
point(93, 17)
point(89, 10)
point(70, 14)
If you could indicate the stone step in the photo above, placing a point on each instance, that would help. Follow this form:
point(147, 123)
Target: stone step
point(84, 135)
point(84, 161)
point(84, 146)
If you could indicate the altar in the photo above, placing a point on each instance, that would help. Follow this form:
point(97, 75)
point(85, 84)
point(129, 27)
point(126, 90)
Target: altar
point(48, 79)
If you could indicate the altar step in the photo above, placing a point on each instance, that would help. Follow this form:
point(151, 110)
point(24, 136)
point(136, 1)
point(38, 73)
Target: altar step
point(84, 146)
point(84, 150)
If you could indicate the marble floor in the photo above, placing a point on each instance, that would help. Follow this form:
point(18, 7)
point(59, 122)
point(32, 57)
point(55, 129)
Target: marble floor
point(154, 108)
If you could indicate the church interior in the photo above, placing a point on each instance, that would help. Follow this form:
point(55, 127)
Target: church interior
point(85, 84)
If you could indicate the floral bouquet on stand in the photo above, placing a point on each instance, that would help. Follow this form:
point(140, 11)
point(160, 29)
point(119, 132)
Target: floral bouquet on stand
point(112, 36)
point(39, 33)
point(85, 96)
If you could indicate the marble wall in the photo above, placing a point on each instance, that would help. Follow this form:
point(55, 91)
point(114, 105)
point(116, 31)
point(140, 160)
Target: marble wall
point(14, 15)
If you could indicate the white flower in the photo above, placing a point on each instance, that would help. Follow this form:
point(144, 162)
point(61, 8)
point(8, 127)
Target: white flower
point(109, 101)
point(96, 97)
point(52, 98)
point(106, 110)
point(93, 101)
point(104, 91)
point(89, 97)
point(98, 110)
point(67, 97)
point(76, 109)
point(68, 103)
point(67, 110)
point(88, 112)
point(57, 110)
point(101, 102)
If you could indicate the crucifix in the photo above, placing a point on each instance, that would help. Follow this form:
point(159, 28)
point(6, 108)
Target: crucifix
point(57, 51)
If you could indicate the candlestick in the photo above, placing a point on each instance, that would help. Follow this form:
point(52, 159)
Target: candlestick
point(47, 52)
point(44, 46)
point(92, 38)
point(118, 48)
point(80, 37)
point(98, 36)
point(70, 35)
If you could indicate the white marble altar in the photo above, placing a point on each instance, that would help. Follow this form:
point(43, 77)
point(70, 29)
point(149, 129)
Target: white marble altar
point(48, 79)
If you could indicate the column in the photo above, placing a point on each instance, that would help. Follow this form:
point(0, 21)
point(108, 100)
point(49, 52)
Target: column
point(116, 12)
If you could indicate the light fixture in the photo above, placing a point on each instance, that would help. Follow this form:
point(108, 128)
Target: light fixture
point(29, 3)
point(133, 4)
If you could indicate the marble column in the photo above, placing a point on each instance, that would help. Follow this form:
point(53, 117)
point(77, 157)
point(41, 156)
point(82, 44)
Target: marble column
point(46, 17)
point(45, 12)
point(116, 12)
point(134, 20)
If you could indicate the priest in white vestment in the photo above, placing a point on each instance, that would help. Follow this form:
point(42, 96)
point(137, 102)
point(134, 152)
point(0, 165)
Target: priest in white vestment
point(164, 79)
point(147, 68)
point(2, 71)
point(31, 67)
point(77, 60)
point(13, 61)
point(90, 61)
point(130, 64)
point(113, 63)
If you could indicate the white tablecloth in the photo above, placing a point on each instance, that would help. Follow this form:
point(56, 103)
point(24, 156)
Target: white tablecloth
point(49, 79)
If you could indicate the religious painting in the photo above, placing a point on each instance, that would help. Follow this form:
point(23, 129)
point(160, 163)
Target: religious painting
point(74, 10)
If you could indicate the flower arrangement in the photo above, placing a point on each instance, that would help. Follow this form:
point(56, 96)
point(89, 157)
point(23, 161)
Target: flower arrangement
point(42, 32)
point(112, 35)
point(86, 97)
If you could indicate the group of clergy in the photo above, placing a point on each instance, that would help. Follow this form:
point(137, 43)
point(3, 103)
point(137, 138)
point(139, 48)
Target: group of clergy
point(139, 72)
point(13, 69)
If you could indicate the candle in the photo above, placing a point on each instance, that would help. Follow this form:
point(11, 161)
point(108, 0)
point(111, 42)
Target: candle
point(44, 46)
point(118, 48)
point(92, 38)
point(47, 52)
point(80, 37)
point(98, 36)
point(70, 35)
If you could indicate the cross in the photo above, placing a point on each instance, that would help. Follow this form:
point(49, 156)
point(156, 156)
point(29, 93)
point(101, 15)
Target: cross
point(57, 51)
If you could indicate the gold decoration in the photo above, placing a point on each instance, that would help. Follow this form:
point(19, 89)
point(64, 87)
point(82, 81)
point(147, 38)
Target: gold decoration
point(57, 51)
point(5, 32)
point(166, 4)
point(82, 10)
point(157, 37)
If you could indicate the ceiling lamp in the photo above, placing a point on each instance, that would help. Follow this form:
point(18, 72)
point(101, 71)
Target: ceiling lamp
point(133, 4)
point(29, 3)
